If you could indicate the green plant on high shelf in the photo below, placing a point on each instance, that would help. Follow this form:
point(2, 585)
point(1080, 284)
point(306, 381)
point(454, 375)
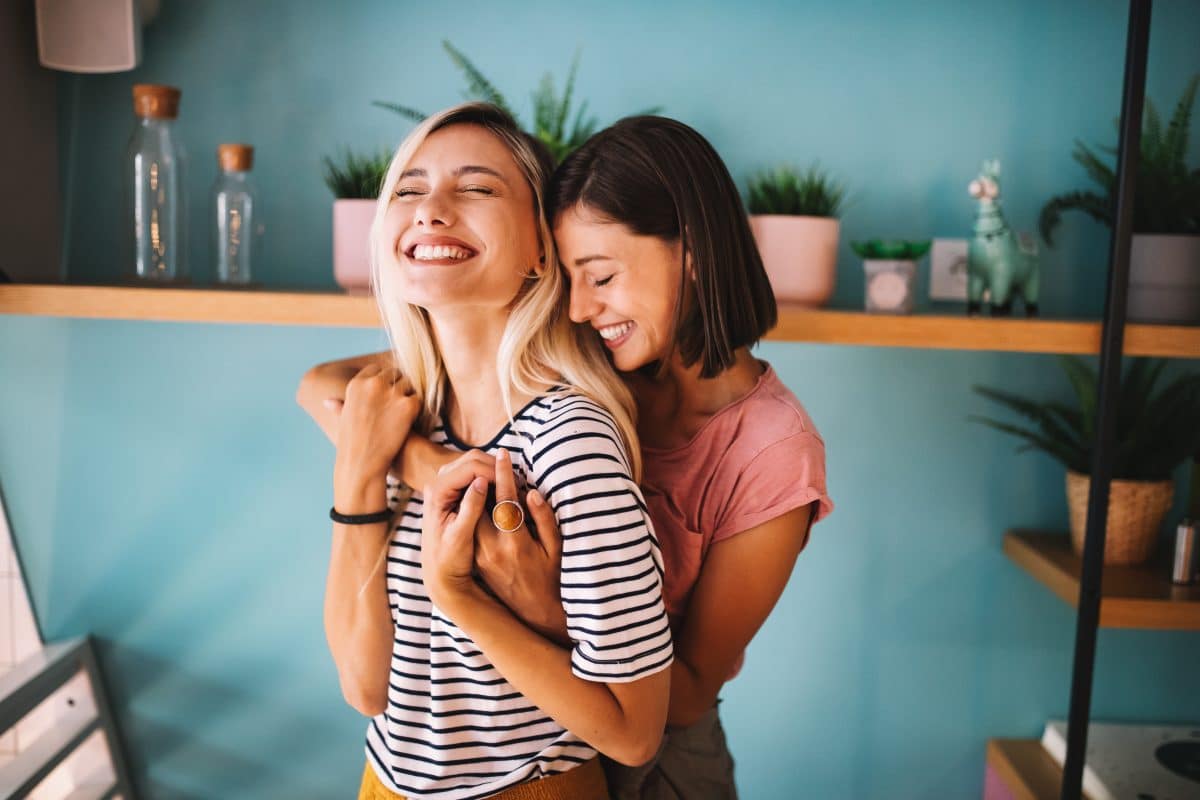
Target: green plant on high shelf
point(1156, 432)
point(553, 123)
point(1167, 195)
point(354, 176)
point(802, 193)
point(891, 249)
point(794, 219)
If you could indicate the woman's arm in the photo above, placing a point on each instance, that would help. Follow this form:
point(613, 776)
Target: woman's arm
point(358, 622)
point(624, 717)
point(328, 381)
point(419, 459)
point(753, 566)
point(524, 573)
point(622, 720)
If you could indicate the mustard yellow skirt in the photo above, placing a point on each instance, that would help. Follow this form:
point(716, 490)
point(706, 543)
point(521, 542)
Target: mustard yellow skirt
point(585, 782)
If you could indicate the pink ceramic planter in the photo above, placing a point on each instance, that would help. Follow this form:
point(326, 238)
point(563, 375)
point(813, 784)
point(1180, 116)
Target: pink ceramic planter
point(800, 256)
point(351, 231)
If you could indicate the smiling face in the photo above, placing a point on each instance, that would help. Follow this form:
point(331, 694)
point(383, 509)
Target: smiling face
point(622, 284)
point(460, 225)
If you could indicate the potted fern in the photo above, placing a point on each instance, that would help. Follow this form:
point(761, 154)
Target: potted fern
point(1164, 268)
point(1156, 432)
point(354, 180)
point(553, 123)
point(794, 218)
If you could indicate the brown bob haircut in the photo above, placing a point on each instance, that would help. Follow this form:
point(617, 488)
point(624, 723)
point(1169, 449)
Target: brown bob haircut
point(658, 177)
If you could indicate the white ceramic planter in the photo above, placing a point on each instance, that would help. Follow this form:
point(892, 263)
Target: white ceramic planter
point(889, 285)
point(800, 256)
point(1164, 279)
point(351, 234)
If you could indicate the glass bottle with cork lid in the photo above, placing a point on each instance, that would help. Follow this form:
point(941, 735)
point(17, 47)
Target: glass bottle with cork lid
point(156, 188)
point(234, 215)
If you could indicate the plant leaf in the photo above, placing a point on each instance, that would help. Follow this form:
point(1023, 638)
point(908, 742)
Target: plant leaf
point(1083, 380)
point(1050, 424)
point(1136, 388)
point(1166, 433)
point(560, 123)
point(404, 111)
point(1096, 169)
point(1097, 207)
point(478, 85)
point(1176, 141)
point(1052, 448)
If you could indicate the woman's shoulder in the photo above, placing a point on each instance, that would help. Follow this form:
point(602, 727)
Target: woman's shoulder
point(781, 411)
point(769, 415)
point(562, 412)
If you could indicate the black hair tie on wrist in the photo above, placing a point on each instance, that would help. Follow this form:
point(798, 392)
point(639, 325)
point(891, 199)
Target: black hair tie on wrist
point(360, 519)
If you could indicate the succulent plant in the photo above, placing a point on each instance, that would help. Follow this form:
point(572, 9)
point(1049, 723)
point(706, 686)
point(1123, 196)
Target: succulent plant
point(355, 177)
point(891, 249)
point(784, 190)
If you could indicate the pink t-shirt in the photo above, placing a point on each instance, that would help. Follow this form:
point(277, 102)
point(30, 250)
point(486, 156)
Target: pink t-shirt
point(754, 460)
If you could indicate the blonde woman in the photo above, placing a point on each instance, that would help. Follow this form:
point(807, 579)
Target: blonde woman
point(465, 700)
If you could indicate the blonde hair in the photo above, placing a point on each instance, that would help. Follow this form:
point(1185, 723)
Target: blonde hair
point(540, 346)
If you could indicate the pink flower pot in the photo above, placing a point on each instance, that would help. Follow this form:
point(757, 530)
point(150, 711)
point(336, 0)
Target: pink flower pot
point(351, 233)
point(800, 256)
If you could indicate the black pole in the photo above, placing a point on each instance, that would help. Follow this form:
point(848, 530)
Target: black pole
point(1111, 344)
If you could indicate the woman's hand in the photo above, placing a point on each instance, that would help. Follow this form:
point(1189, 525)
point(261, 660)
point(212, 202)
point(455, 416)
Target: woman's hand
point(523, 569)
point(453, 504)
point(378, 414)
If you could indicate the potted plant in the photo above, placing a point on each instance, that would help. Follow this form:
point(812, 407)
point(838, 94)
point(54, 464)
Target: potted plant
point(1164, 268)
point(553, 123)
point(794, 218)
point(354, 181)
point(1155, 433)
point(891, 273)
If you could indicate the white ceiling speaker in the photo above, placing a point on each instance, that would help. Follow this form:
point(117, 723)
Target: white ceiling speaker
point(92, 35)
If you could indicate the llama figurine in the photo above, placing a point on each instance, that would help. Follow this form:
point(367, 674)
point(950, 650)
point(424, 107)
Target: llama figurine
point(995, 260)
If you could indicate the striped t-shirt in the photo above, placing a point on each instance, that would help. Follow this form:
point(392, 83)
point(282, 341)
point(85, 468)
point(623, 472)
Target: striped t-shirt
point(454, 728)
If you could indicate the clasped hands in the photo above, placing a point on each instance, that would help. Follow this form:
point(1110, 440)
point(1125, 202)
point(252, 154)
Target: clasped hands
point(458, 540)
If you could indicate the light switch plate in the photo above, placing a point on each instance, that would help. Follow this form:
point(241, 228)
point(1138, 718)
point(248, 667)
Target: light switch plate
point(948, 270)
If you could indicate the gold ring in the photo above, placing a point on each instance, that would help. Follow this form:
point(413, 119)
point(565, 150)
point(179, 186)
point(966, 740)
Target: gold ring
point(508, 519)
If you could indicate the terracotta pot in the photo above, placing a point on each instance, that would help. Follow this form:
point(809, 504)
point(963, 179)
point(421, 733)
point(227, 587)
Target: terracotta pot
point(800, 256)
point(1164, 279)
point(351, 232)
point(1136, 510)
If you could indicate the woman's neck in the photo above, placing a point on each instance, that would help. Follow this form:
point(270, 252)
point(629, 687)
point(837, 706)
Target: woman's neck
point(672, 408)
point(468, 340)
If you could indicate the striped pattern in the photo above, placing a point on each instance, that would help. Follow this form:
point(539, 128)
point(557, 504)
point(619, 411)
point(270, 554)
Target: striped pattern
point(454, 728)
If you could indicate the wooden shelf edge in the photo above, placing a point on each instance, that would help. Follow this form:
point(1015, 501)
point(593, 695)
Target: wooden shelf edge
point(1025, 768)
point(235, 306)
point(951, 332)
point(796, 323)
point(1132, 597)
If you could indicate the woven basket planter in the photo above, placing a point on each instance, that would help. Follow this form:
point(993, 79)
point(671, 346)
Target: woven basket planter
point(1135, 515)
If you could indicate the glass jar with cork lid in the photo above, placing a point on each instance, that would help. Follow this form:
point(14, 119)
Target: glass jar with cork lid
point(156, 188)
point(234, 215)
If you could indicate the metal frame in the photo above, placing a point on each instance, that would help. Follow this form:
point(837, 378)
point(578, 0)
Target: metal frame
point(1111, 344)
point(31, 682)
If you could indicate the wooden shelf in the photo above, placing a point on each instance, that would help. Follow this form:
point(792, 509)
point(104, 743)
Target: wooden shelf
point(1026, 769)
point(796, 324)
point(190, 305)
point(1131, 597)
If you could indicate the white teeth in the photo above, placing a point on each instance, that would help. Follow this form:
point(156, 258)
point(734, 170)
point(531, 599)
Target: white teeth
point(615, 331)
point(429, 252)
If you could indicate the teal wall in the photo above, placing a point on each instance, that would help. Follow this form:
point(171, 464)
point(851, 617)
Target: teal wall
point(168, 496)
